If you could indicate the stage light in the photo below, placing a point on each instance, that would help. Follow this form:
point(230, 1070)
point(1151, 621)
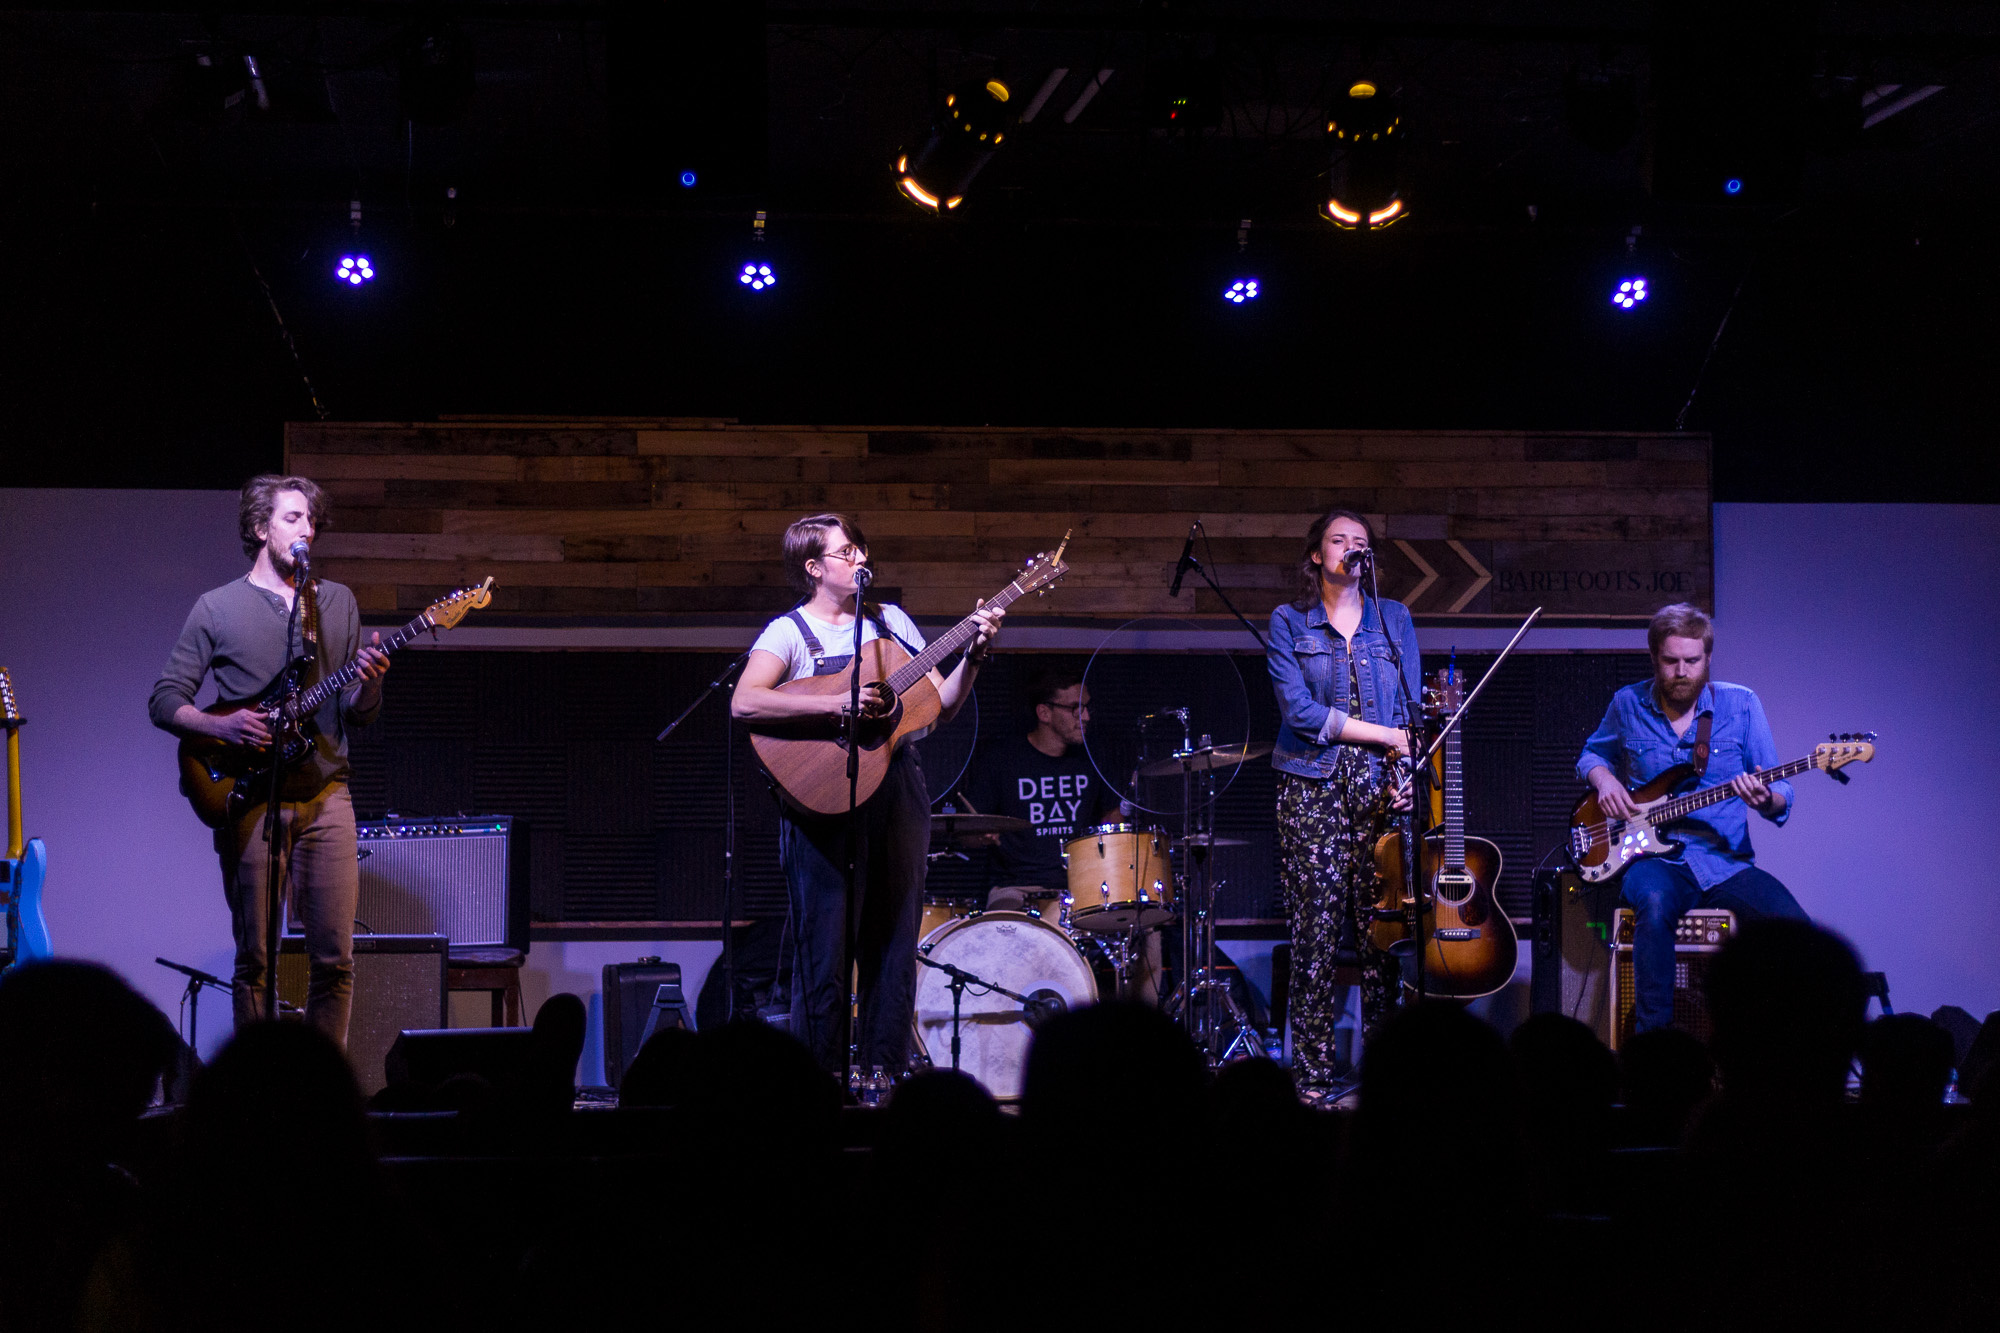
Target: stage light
point(687, 180)
point(1365, 127)
point(757, 277)
point(1243, 289)
point(1629, 293)
point(1734, 185)
point(354, 270)
point(968, 130)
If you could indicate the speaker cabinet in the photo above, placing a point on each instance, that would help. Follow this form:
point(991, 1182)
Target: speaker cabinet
point(1698, 937)
point(399, 982)
point(632, 991)
point(465, 879)
point(1572, 949)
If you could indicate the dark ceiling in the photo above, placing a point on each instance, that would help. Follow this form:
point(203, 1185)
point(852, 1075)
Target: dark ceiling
point(170, 295)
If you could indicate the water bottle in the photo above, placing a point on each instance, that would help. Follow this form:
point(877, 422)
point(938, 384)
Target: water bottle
point(1951, 1093)
point(876, 1090)
point(854, 1090)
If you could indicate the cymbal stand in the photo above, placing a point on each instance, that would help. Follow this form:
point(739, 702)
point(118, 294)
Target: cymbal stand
point(1200, 1010)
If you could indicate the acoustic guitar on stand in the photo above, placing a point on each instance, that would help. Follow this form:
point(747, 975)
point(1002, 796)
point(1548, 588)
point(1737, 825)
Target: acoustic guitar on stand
point(221, 781)
point(806, 758)
point(1603, 847)
point(1470, 947)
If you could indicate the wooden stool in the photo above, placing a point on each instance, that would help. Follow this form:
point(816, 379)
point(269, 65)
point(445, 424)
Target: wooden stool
point(502, 982)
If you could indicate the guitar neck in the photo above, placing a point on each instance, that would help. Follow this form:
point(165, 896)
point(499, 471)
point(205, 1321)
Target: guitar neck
point(1679, 806)
point(950, 641)
point(16, 840)
point(1454, 804)
point(347, 675)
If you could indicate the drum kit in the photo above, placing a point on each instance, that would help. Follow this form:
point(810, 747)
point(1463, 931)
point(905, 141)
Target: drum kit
point(992, 973)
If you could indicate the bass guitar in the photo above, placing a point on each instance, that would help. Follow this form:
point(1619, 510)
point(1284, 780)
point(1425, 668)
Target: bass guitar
point(222, 781)
point(806, 758)
point(1469, 944)
point(1602, 847)
point(27, 862)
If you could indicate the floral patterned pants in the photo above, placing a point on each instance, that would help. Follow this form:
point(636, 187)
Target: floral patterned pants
point(1327, 829)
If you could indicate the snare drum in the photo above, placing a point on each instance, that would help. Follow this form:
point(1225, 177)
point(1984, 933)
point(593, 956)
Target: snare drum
point(1011, 949)
point(1119, 878)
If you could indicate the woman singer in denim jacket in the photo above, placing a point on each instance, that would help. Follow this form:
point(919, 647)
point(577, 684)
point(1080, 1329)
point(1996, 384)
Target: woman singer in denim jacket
point(1333, 658)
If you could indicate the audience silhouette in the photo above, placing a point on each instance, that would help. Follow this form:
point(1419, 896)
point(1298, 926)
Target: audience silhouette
point(1754, 1181)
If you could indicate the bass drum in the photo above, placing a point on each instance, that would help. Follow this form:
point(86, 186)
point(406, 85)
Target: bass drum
point(1011, 949)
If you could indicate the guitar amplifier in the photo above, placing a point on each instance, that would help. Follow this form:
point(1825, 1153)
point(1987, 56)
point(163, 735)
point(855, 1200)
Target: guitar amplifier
point(1698, 937)
point(464, 878)
point(399, 982)
point(1571, 943)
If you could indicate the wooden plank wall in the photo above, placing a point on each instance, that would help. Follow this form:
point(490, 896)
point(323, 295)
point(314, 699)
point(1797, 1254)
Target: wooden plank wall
point(635, 521)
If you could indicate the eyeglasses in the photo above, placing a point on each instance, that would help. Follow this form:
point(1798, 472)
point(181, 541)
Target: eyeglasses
point(852, 555)
point(1078, 709)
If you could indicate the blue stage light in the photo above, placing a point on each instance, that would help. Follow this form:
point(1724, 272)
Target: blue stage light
point(687, 180)
point(1629, 293)
point(354, 270)
point(1243, 289)
point(1732, 186)
point(757, 277)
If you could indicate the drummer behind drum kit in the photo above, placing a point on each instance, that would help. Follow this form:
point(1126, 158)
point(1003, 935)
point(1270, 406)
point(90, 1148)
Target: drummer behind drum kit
point(991, 977)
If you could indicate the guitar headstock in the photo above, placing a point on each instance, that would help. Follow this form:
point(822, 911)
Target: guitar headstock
point(1044, 571)
point(1444, 691)
point(446, 612)
point(10, 711)
point(1844, 748)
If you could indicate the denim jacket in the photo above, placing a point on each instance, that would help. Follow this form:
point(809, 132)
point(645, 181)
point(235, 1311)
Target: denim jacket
point(1308, 663)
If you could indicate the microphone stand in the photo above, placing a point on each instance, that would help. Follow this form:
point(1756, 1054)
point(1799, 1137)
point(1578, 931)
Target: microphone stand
point(196, 980)
point(857, 834)
point(959, 980)
point(274, 864)
point(1192, 563)
point(1419, 777)
point(728, 825)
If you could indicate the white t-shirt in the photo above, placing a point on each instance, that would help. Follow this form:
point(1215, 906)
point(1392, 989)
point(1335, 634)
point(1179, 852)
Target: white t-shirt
point(781, 638)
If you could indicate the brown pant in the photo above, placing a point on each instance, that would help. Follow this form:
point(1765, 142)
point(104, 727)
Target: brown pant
point(323, 881)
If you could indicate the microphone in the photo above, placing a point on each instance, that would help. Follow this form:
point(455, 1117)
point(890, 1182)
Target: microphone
point(1355, 559)
point(1187, 558)
point(1042, 1005)
point(302, 560)
point(863, 576)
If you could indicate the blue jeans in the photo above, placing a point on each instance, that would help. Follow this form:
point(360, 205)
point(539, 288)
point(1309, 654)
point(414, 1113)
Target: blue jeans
point(1659, 891)
point(889, 887)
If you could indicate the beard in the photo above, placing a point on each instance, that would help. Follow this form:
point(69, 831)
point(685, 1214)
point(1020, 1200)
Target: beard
point(1682, 693)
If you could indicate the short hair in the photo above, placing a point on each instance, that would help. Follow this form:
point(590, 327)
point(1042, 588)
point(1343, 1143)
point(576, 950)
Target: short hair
point(806, 540)
point(1049, 680)
point(1679, 621)
point(260, 497)
point(1308, 568)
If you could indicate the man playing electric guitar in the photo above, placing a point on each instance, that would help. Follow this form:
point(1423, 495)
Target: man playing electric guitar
point(1681, 717)
point(243, 632)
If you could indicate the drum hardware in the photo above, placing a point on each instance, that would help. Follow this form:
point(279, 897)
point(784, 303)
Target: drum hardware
point(1211, 840)
point(950, 824)
point(1205, 759)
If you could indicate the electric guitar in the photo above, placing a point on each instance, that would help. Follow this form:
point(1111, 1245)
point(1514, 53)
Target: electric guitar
point(1469, 944)
point(22, 872)
point(806, 758)
point(223, 780)
point(1603, 847)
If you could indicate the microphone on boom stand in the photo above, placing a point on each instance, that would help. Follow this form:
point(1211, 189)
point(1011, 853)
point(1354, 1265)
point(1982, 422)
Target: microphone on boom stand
point(302, 560)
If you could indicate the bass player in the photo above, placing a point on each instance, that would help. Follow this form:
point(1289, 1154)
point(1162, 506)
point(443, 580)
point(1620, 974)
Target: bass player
point(822, 554)
point(1681, 717)
point(243, 633)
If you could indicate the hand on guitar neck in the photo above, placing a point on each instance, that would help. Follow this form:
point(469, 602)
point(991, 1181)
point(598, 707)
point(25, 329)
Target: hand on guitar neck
point(246, 726)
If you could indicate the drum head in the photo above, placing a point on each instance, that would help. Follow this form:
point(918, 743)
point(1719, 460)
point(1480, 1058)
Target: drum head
point(1010, 949)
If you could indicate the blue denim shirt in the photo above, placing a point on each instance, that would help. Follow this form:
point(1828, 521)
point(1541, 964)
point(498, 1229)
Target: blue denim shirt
point(1308, 663)
point(1636, 742)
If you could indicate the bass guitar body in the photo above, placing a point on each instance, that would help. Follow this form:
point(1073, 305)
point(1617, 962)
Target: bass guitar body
point(1605, 857)
point(807, 757)
point(1471, 945)
point(21, 885)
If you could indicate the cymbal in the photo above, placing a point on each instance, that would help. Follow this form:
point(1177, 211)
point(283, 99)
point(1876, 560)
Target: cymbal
point(952, 826)
point(1201, 761)
point(1211, 840)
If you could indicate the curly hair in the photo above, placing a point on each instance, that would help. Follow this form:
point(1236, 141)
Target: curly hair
point(260, 497)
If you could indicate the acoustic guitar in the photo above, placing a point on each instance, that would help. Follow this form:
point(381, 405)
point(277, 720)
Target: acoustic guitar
point(1602, 847)
point(27, 861)
point(222, 781)
point(806, 758)
point(1469, 944)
